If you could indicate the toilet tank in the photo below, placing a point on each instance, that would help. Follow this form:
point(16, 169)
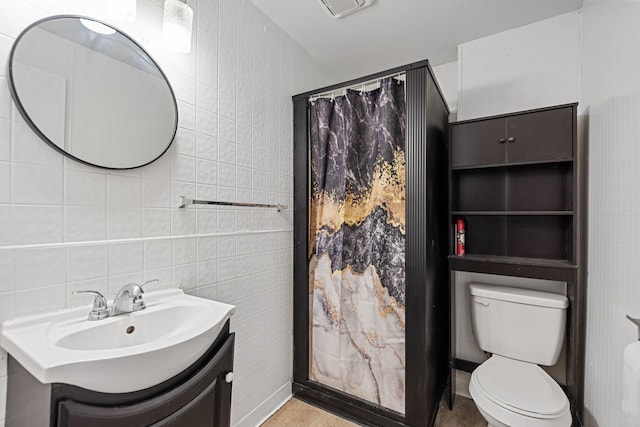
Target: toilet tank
point(521, 324)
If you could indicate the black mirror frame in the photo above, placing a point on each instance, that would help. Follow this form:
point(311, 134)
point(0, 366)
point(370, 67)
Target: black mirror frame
point(34, 127)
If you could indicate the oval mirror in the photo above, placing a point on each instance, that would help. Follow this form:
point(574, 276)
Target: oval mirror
point(91, 92)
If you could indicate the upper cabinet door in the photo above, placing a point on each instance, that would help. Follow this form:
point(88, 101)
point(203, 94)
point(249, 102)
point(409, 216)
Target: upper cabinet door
point(478, 143)
point(543, 135)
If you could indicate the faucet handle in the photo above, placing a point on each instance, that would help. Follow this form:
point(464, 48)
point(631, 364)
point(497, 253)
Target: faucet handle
point(137, 302)
point(149, 282)
point(138, 290)
point(99, 302)
point(100, 309)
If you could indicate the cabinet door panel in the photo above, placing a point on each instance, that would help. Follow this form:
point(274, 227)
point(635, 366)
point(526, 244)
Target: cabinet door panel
point(200, 412)
point(478, 143)
point(545, 135)
point(203, 400)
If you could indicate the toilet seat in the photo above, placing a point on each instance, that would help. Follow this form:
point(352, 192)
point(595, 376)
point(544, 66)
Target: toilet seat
point(519, 393)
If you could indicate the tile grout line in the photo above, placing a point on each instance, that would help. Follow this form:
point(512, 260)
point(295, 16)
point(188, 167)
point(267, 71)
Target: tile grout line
point(139, 239)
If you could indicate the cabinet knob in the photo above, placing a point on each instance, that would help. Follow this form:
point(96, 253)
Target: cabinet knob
point(229, 377)
point(511, 139)
point(502, 140)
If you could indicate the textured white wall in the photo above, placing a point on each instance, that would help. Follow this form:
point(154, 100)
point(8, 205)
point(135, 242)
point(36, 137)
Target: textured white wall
point(610, 97)
point(234, 143)
point(536, 65)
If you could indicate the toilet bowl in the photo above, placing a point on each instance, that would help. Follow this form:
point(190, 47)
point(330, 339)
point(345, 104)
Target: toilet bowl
point(511, 393)
point(521, 328)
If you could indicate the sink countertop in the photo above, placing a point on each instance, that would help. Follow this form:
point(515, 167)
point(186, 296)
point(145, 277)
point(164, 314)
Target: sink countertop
point(103, 355)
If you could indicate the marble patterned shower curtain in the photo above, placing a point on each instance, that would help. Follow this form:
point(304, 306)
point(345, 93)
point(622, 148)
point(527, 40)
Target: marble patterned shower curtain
point(357, 243)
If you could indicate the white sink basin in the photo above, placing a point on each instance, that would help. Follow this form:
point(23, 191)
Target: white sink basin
point(119, 354)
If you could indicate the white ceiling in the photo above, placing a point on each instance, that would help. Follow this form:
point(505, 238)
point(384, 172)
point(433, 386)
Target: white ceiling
point(391, 33)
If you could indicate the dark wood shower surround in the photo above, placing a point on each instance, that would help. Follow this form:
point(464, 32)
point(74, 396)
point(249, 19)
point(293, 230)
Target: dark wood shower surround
point(427, 303)
point(516, 179)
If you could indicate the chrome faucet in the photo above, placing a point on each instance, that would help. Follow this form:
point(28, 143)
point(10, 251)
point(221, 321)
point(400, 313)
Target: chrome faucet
point(100, 309)
point(127, 300)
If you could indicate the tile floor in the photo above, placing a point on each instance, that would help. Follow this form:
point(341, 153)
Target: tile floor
point(296, 413)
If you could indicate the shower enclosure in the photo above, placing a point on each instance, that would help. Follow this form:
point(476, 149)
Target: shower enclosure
point(370, 271)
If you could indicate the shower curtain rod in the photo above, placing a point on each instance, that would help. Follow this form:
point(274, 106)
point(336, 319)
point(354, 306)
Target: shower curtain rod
point(358, 86)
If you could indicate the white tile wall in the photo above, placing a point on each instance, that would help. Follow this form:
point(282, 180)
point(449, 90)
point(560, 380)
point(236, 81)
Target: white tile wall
point(66, 226)
point(532, 66)
point(610, 97)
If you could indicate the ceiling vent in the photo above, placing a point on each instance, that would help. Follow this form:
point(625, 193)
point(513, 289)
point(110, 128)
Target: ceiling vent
point(340, 8)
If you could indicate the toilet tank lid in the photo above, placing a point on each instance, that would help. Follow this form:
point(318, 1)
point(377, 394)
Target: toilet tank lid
point(519, 295)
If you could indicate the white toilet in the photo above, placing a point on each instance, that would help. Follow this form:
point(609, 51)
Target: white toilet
point(522, 329)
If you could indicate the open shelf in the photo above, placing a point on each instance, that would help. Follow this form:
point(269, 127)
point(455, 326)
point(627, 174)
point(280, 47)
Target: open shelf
point(522, 213)
point(540, 268)
point(513, 164)
point(543, 262)
point(530, 188)
point(524, 236)
point(517, 197)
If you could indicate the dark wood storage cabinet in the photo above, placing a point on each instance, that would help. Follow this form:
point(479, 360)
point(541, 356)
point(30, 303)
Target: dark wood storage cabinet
point(544, 135)
point(514, 180)
point(198, 397)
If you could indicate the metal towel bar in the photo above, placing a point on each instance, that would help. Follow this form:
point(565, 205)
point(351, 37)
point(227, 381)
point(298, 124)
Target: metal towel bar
point(184, 201)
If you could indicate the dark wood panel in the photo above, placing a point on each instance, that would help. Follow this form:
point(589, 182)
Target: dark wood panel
point(504, 165)
point(505, 115)
point(543, 135)
point(31, 403)
point(561, 271)
point(194, 402)
point(540, 187)
point(479, 190)
point(477, 143)
point(346, 406)
point(578, 294)
point(539, 237)
point(486, 235)
point(300, 240)
point(572, 342)
point(199, 411)
point(28, 400)
point(512, 213)
point(427, 316)
point(534, 262)
point(453, 349)
point(465, 365)
point(544, 217)
point(436, 306)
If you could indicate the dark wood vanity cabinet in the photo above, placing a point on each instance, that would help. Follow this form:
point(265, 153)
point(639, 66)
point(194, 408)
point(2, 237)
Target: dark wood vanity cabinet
point(200, 396)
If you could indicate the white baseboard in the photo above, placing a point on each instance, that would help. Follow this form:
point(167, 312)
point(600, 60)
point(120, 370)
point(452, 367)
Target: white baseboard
point(266, 408)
